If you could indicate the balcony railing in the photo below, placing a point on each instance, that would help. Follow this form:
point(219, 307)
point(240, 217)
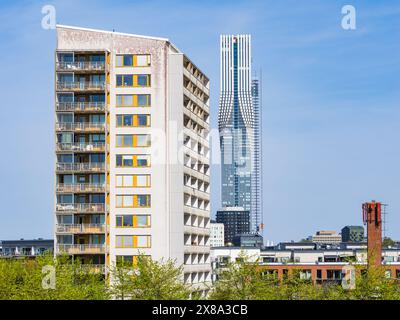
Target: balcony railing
point(88, 147)
point(80, 126)
point(81, 106)
point(81, 248)
point(81, 167)
point(81, 187)
point(196, 249)
point(77, 66)
point(81, 207)
point(86, 85)
point(81, 228)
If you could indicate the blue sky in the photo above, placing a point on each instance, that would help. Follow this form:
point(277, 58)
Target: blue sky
point(330, 102)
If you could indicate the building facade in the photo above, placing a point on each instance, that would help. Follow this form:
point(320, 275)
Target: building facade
point(316, 264)
point(248, 240)
point(217, 236)
point(327, 237)
point(25, 248)
point(353, 234)
point(237, 122)
point(132, 151)
point(236, 221)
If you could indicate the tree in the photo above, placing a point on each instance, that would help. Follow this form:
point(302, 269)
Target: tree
point(243, 280)
point(374, 284)
point(388, 242)
point(148, 280)
point(22, 279)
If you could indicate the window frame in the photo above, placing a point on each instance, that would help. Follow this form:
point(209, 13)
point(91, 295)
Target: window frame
point(134, 201)
point(134, 57)
point(134, 181)
point(134, 120)
point(135, 78)
point(134, 221)
point(134, 242)
point(135, 99)
point(134, 141)
point(134, 160)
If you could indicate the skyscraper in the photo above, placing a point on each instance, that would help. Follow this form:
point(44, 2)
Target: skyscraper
point(238, 123)
point(122, 187)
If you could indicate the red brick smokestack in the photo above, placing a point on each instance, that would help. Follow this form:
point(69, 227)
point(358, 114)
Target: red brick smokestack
point(372, 217)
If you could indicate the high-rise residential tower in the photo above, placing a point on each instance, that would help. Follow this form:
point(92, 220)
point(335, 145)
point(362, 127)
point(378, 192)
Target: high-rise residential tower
point(238, 127)
point(132, 152)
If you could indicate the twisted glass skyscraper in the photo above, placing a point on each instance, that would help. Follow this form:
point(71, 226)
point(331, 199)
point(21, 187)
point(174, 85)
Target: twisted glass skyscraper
point(238, 127)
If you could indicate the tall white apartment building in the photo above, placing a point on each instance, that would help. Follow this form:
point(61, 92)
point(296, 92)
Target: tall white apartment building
point(217, 235)
point(132, 152)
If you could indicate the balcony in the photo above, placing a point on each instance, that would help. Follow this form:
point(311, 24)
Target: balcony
point(81, 106)
point(81, 147)
point(196, 249)
point(80, 126)
point(80, 187)
point(81, 248)
point(80, 167)
point(80, 207)
point(81, 66)
point(203, 267)
point(85, 228)
point(80, 86)
point(196, 230)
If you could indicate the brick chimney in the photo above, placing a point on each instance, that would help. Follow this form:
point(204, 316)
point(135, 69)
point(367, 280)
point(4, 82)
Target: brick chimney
point(372, 217)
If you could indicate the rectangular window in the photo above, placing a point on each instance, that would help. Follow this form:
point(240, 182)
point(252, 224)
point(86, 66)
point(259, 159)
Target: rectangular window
point(133, 201)
point(128, 60)
point(133, 161)
point(133, 221)
point(133, 100)
point(133, 60)
point(133, 181)
point(125, 80)
point(133, 120)
point(133, 241)
point(133, 140)
point(142, 60)
point(142, 140)
point(133, 80)
point(142, 80)
point(120, 61)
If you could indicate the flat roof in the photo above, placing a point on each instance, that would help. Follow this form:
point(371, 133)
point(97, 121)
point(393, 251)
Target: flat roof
point(23, 241)
point(111, 32)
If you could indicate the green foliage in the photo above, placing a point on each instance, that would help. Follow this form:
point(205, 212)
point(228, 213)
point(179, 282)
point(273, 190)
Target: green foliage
point(22, 279)
point(388, 242)
point(244, 279)
point(148, 280)
point(375, 285)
